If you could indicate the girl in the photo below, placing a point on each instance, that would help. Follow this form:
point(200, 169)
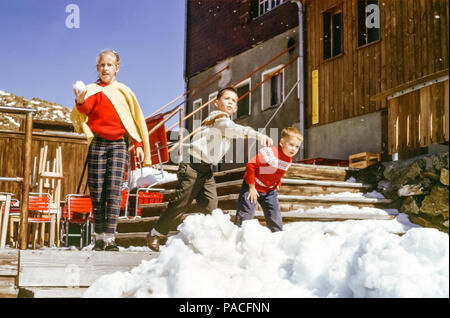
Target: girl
point(108, 112)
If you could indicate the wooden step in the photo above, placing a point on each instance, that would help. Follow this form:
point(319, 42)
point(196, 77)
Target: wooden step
point(322, 217)
point(135, 239)
point(289, 187)
point(296, 171)
point(52, 292)
point(68, 268)
point(287, 203)
point(315, 172)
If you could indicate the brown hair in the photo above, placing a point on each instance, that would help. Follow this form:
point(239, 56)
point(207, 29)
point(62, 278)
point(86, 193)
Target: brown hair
point(223, 90)
point(291, 132)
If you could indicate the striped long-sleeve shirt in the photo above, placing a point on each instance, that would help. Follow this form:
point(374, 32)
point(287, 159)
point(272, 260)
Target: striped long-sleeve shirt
point(266, 169)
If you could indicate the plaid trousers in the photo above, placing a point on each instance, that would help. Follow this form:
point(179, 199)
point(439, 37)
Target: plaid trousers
point(107, 160)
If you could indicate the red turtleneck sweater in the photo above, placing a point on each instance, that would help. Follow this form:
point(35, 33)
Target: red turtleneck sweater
point(103, 118)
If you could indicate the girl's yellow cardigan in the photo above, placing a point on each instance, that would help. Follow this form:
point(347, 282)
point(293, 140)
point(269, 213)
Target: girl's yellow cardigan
point(127, 108)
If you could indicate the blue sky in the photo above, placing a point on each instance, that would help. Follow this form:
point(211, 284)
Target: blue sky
point(41, 57)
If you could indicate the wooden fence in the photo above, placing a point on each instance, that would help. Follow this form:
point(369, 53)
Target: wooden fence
point(74, 151)
point(419, 119)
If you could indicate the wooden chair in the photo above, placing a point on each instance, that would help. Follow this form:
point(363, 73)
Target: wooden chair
point(77, 210)
point(49, 180)
point(5, 205)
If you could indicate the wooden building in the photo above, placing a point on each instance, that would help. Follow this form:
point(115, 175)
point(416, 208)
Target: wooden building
point(52, 128)
point(375, 72)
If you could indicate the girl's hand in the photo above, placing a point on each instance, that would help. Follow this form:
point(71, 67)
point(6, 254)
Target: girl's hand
point(266, 141)
point(79, 97)
point(253, 195)
point(140, 154)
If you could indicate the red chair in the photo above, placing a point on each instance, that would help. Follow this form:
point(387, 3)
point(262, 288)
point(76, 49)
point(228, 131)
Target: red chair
point(38, 214)
point(77, 210)
point(144, 196)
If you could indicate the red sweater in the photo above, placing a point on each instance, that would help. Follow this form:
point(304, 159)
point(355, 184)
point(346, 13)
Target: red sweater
point(266, 169)
point(103, 118)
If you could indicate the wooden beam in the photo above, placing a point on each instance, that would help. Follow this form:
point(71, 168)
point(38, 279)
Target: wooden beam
point(407, 85)
point(26, 181)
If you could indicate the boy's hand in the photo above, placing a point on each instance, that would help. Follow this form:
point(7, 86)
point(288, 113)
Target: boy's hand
point(266, 141)
point(252, 194)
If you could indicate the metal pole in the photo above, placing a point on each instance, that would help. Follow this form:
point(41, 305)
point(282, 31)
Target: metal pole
point(180, 136)
point(26, 181)
point(301, 76)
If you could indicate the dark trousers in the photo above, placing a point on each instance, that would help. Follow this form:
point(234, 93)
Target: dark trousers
point(269, 203)
point(106, 170)
point(195, 181)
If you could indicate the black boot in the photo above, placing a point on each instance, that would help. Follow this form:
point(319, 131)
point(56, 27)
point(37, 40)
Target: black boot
point(99, 245)
point(111, 246)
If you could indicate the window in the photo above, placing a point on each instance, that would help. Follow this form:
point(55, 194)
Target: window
point(267, 5)
point(197, 118)
point(332, 33)
point(243, 104)
point(368, 21)
point(273, 88)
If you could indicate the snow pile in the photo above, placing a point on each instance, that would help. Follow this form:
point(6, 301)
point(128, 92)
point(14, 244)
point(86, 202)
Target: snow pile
point(354, 195)
point(211, 257)
point(149, 175)
point(345, 209)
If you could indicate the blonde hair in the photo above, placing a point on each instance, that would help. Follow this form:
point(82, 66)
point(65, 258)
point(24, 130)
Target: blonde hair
point(291, 132)
point(112, 52)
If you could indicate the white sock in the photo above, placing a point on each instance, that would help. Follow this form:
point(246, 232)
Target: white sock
point(99, 236)
point(154, 232)
point(109, 237)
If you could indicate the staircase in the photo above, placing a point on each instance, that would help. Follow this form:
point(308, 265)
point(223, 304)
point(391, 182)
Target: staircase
point(304, 187)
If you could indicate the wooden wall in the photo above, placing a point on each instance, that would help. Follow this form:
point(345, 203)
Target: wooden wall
point(74, 151)
point(413, 44)
point(419, 119)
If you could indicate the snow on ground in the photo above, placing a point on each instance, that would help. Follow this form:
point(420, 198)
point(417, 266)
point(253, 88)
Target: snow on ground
point(346, 209)
point(211, 257)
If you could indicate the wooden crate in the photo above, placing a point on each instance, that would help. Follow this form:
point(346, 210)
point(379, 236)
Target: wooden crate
point(363, 159)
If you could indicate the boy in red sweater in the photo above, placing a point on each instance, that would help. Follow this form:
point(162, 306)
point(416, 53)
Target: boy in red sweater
point(262, 179)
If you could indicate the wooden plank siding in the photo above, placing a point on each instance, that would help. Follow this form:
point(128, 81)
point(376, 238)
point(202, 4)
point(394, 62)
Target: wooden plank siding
point(74, 152)
point(418, 119)
point(413, 44)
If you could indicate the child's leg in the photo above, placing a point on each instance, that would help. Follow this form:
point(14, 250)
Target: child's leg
point(271, 208)
point(188, 188)
point(207, 196)
point(245, 209)
point(96, 177)
point(115, 173)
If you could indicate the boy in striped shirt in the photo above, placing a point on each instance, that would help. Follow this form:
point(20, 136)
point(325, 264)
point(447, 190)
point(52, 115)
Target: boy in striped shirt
point(262, 179)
